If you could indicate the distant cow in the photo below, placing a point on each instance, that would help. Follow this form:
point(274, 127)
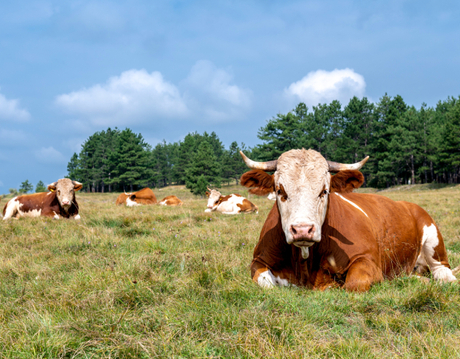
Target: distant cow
point(319, 234)
point(60, 202)
point(171, 201)
point(144, 196)
point(231, 204)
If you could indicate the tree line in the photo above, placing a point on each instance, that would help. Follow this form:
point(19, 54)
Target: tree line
point(120, 160)
point(405, 145)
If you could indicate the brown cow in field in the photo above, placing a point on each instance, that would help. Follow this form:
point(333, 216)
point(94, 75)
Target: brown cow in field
point(171, 201)
point(60, 202)
point(231, 204)
point(146, 196)
point(319, 234)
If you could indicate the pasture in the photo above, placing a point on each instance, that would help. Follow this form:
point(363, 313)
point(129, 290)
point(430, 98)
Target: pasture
point(174, 282)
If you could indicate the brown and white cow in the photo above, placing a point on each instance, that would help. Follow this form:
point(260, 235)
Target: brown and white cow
point(144, 196)
point(60, 202)
point(171, 201)
point(319, 234)
point(231, 204)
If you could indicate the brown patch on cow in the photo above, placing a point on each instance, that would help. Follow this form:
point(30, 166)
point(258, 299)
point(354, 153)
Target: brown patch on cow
point(346, 181)
point(260, 182)
point(222, 199)
point(172, 201)
point(247, 206)
point(121, 199)
point(258, 272)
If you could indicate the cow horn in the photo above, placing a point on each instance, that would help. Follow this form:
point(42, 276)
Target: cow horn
point(336, 167)
point(266, 166)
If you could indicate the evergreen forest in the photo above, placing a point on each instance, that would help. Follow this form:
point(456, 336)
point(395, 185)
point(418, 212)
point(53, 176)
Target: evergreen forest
point(405, 144)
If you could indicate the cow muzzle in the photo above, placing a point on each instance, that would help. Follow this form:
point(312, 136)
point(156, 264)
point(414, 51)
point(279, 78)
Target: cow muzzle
point(303, 234)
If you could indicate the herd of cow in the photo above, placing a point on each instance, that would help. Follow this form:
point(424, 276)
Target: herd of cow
point(319, 233)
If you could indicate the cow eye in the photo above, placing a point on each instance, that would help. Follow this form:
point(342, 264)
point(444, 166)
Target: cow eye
point(323, 193)
point(281, 193)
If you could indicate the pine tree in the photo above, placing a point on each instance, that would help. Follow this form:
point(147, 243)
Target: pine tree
point(40, 187)
point(204, 163)
point(25, 187)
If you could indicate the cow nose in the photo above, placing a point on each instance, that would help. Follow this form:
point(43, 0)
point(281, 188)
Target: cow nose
point(302, 231)
point(65, 202)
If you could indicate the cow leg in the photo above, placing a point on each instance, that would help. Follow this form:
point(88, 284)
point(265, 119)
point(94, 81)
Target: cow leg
point(435, 254)
point(12, 208)
point(361, 275)
point(267, 278)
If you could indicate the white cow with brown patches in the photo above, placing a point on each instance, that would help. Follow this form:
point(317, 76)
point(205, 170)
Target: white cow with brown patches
point(60, 202)
point(231, 204)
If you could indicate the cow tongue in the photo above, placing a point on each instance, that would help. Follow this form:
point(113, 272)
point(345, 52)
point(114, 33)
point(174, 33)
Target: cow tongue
point(305, 252)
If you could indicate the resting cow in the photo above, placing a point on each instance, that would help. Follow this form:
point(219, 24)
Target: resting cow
point(171, 201)
point(231, 204)
point(319, 234)
point(59, 202)
point(146, 196)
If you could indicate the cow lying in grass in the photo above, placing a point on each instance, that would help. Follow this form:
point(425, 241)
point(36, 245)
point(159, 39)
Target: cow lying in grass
point(60, 202)
point(231, 204)
point(144, 197)
point(319, 234)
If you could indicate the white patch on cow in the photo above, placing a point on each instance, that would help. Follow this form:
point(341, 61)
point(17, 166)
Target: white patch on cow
point(305, 252)
point(430, 241)
point(77, 217)
point(208, 210)
point(421, 265)
point(304, 175)
point(33, 213)
point(56, 216)
point(268, 280)
point(272, 196)
point(331, 261)
point(49, 193)
point(353, 204)
point(131, 203)
point(12, 208)
point(162, 203)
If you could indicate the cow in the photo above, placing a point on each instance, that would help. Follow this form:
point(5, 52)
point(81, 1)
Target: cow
point(171, 201)
point(231, 204)
point(144, 196)
point(60, 202)
point(320, 234)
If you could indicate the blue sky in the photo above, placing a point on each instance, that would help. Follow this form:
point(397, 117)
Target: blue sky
point(166, 68)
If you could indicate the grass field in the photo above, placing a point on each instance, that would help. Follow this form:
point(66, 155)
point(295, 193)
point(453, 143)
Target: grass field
point(154, 281)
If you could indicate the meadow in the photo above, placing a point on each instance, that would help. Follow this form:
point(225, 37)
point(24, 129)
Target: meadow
point(174, 282)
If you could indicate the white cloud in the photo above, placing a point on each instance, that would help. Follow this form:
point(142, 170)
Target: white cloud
point(133, 97)
point(210, 93)
point(10, 110)
point(325, 86)
point(139, 97)
point(50, 155)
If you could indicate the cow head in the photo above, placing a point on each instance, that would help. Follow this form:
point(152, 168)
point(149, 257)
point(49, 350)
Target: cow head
point(65, 190)
point(302, 183)
point(213, 197)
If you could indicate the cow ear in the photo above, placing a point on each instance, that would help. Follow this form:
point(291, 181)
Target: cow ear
point(208, 193)
point(260, 182)
point(346, 181)
point(77, 186)
point(52, 187)
point(132, 197)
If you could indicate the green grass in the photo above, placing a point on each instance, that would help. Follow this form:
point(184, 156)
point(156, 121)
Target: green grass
point(163, 282)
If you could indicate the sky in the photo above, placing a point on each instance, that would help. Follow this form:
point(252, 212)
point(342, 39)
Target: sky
point(167, 68)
